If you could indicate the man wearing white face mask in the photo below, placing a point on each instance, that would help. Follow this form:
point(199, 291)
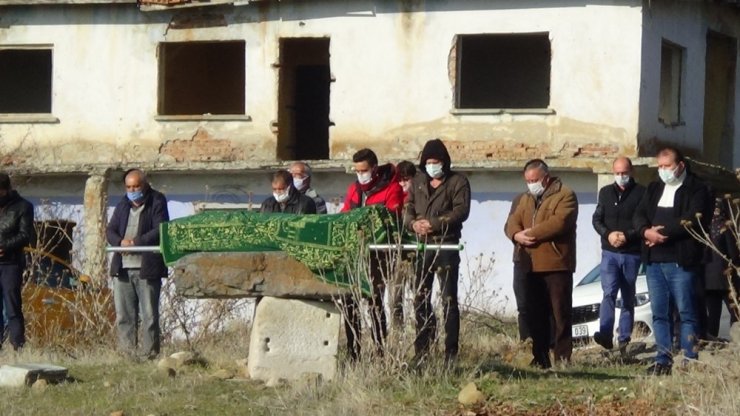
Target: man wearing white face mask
point(375, 185)
point(672, 256)
point(438, 204)
point(620, 252)
point(285, 198)
point(301, 172)
point(543, 228)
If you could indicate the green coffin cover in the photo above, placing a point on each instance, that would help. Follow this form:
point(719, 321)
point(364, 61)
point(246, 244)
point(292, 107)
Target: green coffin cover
point(333, 246)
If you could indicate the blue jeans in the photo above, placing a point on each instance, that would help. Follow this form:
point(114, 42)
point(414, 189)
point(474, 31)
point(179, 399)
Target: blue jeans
point(618, 274)
point(669, 283)
point(137, 300)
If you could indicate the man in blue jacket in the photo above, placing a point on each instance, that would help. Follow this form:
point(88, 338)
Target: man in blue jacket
point(137, 276)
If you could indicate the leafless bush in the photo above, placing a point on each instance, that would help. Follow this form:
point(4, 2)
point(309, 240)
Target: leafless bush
point(701, 234)
point(63, 308)
point(197, 322)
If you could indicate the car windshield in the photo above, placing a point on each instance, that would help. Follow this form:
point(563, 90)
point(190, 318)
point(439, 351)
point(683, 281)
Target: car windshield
point(595, 275)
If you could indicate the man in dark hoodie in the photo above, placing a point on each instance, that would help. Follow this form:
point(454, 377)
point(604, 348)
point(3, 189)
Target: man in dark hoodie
point(137, 282)
point(438, 204)
point(16, 232)
point(286, 198)
point(374, 185)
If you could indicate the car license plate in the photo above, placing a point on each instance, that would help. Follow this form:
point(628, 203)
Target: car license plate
point(580, 331)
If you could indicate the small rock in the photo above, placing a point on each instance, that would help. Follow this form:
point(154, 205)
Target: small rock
point(167, 371)
point(167, 362)
point(470, 395)
point(183, 358)
point(39, 385)
point(223, 374)
point(631, 395)
point(735, 332)
point(607, 398)
point(117, 413)
point(107, 383)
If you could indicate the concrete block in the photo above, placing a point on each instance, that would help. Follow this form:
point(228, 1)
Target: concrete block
point(251, 274)
point(26, 374)
point(291, 338)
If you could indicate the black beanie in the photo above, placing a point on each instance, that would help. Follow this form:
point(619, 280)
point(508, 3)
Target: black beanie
point(435, 149)
point(4, 181)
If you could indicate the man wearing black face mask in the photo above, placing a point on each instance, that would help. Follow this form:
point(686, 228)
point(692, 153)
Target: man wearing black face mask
point(137, 276)
point(16, 232)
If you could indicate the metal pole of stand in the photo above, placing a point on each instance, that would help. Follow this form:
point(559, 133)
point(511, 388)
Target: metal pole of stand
point(376, 247)
point(133, 249)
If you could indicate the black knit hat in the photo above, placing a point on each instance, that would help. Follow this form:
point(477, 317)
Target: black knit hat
point(435, 149)
point(4, 181)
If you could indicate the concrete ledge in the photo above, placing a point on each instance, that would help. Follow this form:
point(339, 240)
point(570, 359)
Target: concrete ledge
point(239, 275)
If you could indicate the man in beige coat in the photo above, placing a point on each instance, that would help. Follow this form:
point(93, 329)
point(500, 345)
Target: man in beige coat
point(543, 226)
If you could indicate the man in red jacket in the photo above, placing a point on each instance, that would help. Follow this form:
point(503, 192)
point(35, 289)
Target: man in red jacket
point(374, 185)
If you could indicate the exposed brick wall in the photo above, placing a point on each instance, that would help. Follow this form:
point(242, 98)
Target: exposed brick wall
point(202, 148)
point(500, 150)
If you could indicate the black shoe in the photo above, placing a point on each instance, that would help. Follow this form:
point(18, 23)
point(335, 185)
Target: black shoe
point(603, 340)
point(658, 369)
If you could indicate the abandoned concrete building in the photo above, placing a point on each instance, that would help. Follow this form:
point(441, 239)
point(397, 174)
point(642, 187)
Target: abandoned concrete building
point(209, 95)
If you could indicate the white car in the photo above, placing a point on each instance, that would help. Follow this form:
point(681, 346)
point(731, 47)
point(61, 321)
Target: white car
point(587, 295)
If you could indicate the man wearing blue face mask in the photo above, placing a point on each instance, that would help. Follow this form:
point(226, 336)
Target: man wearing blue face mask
point(438, 204)
point(137, 276)
point(672, 256)
point(620, 252)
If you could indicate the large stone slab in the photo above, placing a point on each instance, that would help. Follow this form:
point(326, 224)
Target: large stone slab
point(16, 375)
point(292, 339)
point(238, 275)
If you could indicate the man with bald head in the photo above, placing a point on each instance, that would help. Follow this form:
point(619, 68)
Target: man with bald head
point(301, 173)
point(137, 276)
point(620, 252)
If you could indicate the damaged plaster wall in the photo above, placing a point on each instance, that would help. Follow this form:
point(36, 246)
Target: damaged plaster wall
point(392, 88)
point(685, 24)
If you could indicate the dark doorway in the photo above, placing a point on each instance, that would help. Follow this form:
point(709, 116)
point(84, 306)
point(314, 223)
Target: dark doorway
point(719, 93)
point(303, 91)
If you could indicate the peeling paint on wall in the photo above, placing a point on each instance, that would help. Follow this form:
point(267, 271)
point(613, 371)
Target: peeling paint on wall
point(201, 148)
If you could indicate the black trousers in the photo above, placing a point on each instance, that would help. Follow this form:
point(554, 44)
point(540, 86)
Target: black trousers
point(446, 266)
point(353, 315)
point(520, 294)
point(11, 282)
point(549, 298)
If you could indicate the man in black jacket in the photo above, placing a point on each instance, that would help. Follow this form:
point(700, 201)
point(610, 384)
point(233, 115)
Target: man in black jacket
point(437, 206)
point(672, 256)
point(16, 232)
point(137, 276)
point(286, 198)
point(620, 252)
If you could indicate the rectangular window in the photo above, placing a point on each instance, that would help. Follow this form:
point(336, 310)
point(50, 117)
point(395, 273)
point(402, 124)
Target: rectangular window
point(503, 71)
point(197, 78)
point(25, 80)
point(671, 69)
